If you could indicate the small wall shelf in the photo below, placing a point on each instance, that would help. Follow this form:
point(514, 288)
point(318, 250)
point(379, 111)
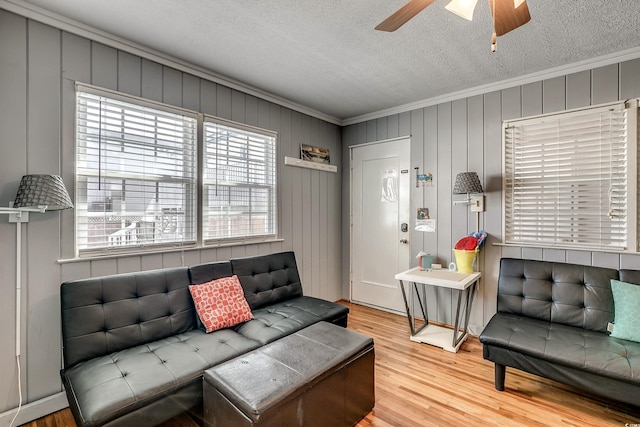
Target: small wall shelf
point(292, 161)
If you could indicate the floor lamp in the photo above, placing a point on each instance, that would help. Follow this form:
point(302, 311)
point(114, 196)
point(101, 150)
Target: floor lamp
point(36, 193)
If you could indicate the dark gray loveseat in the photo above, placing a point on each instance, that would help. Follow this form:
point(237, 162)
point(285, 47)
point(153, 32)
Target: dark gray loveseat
point(133, 351)
point(552, 321)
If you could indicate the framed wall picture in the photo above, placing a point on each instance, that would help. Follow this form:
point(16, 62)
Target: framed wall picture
point(314, 154)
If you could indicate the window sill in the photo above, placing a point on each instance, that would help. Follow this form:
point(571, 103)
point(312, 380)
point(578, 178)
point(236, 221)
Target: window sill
point(133, 253)
point(565, 248)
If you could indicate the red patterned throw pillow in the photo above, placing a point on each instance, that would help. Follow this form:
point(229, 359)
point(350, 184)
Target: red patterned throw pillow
point(220, 303)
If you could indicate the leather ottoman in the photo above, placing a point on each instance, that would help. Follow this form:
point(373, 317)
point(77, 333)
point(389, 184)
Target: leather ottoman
point(322, 375)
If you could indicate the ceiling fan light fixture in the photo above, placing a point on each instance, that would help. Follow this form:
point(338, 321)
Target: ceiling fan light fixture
point(463, 8)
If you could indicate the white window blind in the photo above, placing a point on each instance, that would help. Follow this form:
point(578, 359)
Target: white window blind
point(136, 173)
point(566, 180)
point(239, 182)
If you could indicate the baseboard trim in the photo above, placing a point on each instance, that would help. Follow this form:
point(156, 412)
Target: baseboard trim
point(36, 409)
point(377, 307)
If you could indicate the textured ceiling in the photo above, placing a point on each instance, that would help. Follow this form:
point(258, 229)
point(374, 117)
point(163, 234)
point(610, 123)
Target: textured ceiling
point(326, 55)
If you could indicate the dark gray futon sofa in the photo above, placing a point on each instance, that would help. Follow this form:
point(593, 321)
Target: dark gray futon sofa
point(133, 351)
point(552, 321)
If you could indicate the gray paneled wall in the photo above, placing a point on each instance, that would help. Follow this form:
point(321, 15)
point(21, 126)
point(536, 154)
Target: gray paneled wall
point(38, 67)
point(465, 135)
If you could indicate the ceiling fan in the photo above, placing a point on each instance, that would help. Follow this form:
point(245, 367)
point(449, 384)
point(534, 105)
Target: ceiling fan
point(507, 14)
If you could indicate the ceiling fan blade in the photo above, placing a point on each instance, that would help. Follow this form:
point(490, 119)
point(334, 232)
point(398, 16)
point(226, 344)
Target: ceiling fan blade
point(507, 16)
point(403, 14)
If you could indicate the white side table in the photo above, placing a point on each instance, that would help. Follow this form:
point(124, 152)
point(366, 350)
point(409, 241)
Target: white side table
point(465, 284)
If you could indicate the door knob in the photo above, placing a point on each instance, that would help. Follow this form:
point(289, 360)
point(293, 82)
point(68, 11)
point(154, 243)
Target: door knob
point(404, 241)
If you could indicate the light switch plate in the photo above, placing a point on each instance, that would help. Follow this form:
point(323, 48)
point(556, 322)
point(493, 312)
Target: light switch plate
point(477, 202)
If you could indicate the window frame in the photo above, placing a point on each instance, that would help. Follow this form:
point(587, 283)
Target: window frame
point(197, 168)
point(270, 178)
point(630, 225)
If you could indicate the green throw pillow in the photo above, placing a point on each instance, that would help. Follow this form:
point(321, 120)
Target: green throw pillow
point(626, 301)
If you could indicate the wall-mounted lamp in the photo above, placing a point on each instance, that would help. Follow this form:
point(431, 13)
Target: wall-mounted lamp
point(36, 193)
point(468, 183)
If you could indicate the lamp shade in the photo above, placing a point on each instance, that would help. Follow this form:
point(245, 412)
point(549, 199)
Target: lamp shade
point(467, 182)
point(42, 190)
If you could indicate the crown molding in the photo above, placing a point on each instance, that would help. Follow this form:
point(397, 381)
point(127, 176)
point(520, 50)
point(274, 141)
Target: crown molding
point(63, 23)
point(589, 64)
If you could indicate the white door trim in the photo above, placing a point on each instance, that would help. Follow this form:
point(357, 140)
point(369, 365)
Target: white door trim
point(382, 141)
point(351, 148)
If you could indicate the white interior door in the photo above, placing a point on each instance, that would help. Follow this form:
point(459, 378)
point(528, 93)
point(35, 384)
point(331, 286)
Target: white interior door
point(380, 205)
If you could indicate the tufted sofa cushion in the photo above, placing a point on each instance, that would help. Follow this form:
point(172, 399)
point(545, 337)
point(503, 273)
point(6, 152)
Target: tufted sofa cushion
point(569, 346)
point(103, 315)
point(552, 321)
point(567, 294)
point(271, 285)
point(133, 353)
point(630, 276)
point(105, 388)
point(286, 317)
point(268, 279)
point(202, 273)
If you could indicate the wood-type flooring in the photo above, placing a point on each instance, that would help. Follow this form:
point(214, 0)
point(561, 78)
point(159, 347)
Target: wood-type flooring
point(421, 385)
